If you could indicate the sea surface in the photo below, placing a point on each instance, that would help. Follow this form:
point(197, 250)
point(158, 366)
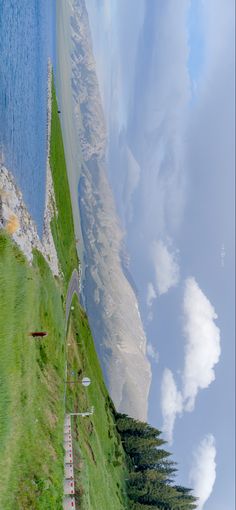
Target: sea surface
point(26, 42)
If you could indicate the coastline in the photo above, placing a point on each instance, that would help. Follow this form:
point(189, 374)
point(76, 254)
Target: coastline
point(13, 208)
point(50, 209)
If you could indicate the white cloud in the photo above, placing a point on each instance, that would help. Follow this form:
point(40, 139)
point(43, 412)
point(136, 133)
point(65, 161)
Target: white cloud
point(171, 403)
point(151, 294)
point(202, 350)
point(162, 118)
point(203, 472)
point(152, 352)
point(165, 266)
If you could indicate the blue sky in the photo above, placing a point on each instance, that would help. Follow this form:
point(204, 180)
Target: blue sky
point(167, 85)
point(196, 40)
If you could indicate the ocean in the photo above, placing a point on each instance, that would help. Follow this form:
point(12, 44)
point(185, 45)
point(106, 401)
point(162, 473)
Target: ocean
point(26, 42)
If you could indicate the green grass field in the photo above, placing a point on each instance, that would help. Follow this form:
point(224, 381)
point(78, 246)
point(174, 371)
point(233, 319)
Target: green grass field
point(100, 461)
point(31, 405)
point(62, 225)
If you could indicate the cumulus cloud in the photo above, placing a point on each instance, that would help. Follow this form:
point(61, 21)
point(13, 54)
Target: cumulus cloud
point(203, 472)
point(171, 403)
point(152, 352)
point(202, 349)
point(151, 294)
point(165, 266)
point(202, 352)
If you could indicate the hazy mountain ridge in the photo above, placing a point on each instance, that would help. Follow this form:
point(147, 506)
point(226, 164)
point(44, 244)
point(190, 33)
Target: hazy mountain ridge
point(110, 301)
point(85, 87)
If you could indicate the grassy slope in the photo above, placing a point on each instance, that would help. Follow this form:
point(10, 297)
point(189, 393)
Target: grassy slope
point(31, 408)
point(100, 462)
point(62, 225)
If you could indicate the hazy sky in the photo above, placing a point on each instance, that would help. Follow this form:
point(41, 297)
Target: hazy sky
point(166, 73)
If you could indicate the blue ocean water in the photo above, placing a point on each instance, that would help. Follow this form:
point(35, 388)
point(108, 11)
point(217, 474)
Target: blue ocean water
point(26, 42)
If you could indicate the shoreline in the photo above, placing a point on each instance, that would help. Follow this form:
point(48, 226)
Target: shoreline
point(14, 211)
point(50, 209)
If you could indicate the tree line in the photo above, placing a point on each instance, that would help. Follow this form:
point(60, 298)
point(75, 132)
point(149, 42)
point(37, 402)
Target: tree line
point(150, 483)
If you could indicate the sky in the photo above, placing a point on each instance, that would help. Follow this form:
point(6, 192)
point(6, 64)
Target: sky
point(167, 85)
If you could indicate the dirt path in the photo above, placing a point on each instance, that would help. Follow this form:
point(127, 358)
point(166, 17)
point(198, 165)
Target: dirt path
point(73, 288)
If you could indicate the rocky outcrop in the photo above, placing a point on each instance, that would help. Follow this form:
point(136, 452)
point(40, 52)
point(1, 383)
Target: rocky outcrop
point(12, 206)
point(26, 235)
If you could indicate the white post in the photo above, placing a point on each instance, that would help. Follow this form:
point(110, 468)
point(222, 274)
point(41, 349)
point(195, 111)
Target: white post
point(87, 413)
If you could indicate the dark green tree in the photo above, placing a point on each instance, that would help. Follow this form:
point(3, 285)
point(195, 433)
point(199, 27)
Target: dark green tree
point(150, 484)
point(129, 426)
point(134, 444)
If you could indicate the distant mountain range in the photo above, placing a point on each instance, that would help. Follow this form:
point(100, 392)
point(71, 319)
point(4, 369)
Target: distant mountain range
point(109, 290)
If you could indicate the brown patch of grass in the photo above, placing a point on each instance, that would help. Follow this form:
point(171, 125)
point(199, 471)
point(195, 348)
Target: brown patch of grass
point(90, 451)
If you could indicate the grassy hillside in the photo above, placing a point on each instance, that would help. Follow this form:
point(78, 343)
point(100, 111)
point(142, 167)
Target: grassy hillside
point(100, 462)
point(62, 226)
point(31, 407)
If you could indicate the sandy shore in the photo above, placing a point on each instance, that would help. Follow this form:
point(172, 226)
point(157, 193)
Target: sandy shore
point(13, 209)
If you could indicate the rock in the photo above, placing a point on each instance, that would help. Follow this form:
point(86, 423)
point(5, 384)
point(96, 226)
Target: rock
point(14, 215)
